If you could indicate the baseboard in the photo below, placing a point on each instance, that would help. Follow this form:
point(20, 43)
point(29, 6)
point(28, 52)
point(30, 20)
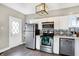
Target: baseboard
point(4, 49)
point(7, 48)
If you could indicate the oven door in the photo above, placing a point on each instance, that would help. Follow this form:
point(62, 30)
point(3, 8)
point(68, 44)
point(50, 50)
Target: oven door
point(45, 40)
point(46, 44)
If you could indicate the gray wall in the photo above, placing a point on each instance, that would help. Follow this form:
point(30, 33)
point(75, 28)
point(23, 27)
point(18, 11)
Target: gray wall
point(5, 12)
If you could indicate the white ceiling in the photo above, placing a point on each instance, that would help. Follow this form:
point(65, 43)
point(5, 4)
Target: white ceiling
point(29, 8)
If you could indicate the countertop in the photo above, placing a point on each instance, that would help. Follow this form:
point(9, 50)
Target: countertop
point(66, 36)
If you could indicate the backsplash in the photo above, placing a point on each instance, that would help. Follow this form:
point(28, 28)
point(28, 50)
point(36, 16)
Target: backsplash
point(62, 32)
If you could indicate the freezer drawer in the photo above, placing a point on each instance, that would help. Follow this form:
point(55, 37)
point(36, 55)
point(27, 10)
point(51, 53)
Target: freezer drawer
point(30, 40)
point(66, 46)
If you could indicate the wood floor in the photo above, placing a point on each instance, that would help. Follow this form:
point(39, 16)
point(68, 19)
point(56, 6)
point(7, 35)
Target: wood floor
point(23, 51)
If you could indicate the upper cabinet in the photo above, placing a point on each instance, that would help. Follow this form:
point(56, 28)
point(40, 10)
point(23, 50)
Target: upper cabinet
point(73, 21)
point(63, 22)
point(56, 23)
point(60, 22)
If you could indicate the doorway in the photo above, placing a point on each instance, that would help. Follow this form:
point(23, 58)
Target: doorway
point(15, 31)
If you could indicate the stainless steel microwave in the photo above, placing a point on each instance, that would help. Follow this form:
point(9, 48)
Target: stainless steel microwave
point(48, 25)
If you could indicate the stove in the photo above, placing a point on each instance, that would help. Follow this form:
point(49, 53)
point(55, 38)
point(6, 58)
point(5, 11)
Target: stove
point(47, 44)
point(47, 37)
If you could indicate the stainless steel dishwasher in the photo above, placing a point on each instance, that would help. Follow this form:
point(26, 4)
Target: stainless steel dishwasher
point(66, 46)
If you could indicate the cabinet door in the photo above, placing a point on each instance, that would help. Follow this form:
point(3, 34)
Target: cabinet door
point(63, 22)
point(56, 23)
point(38, 42)
point(77, 47)
point(56, 45)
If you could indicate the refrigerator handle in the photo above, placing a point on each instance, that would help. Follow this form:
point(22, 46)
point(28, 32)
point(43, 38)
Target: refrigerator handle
point(33, 31)
point(33, 35)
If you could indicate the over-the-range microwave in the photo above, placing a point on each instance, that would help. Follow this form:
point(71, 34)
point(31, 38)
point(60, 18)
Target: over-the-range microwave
point(47, 24)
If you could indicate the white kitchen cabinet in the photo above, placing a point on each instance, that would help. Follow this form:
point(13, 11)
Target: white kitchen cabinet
point(40, 25)
point(77, 46)
point(56, 23)
point(38, 42)
point(56, 45)
point(63, 22)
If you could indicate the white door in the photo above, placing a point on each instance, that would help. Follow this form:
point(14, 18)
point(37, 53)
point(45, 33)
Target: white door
point(15, 31)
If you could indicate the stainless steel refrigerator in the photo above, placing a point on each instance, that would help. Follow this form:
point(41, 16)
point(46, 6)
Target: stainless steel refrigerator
point(30, 37)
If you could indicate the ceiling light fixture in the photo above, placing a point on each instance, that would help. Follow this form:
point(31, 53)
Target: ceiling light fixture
point(41, 9)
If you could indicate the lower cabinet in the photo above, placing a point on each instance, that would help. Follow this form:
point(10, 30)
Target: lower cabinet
point(64, 46)
point(38, 42)
point(56, 45)
point(77, 47)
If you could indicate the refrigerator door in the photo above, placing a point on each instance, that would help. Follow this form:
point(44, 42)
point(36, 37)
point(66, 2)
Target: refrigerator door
point(30, 40)
point(30, 28)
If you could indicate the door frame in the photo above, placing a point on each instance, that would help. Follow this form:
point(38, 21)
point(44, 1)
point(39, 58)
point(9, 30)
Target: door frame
point(9, 31)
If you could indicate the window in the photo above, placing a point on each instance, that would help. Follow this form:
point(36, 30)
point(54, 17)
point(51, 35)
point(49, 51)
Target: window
point(77, 21)
point(72, 21)
point(15, 27)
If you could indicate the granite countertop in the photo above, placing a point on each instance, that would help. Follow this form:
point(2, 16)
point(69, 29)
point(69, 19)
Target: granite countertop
point(66, 36)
